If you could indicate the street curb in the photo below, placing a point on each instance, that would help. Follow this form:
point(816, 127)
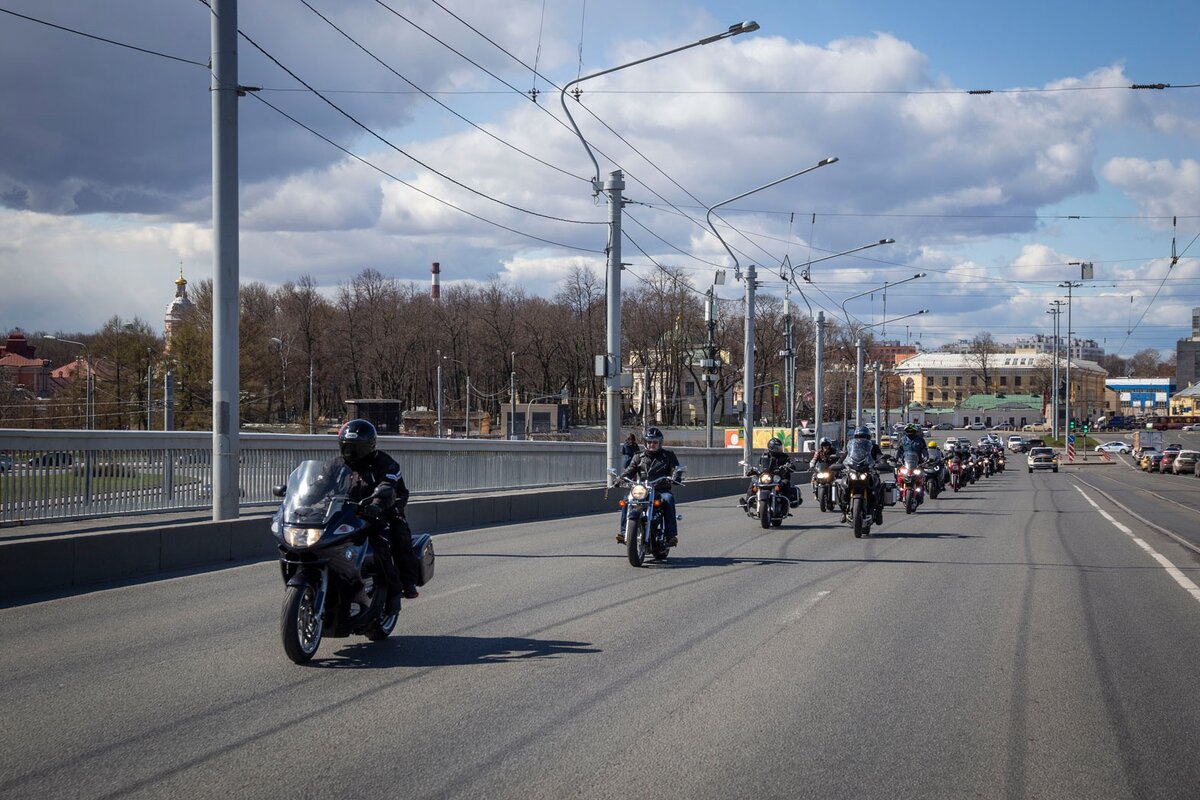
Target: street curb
point(79, 560)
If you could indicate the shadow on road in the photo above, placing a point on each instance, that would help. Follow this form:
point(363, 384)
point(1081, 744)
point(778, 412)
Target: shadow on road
point(731, 561)
point(448, 651)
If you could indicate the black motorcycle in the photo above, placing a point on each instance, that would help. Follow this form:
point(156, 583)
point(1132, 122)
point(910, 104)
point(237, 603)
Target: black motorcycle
point(325, 555)
point(863, 488)
point(823, 477)
point(770, 496)
point(645, 521)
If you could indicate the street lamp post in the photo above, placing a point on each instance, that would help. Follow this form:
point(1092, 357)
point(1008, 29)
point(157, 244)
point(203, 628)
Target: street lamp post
point(283, 344)
point(88, 411)
point(614, 186)
point(512, 395)
point(440, 429)
point(859, 367)
point(1070, 286)
point(748, 367)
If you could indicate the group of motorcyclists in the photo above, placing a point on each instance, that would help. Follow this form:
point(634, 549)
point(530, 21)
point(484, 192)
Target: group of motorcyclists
point(917, 467)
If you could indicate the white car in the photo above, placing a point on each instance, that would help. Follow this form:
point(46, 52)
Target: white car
point(1016, 443)
point(1042, 458)
point(1114, 447)
point(976, 426)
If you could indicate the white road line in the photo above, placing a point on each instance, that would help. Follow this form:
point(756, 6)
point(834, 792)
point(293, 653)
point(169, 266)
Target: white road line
point(440, 595)
point(1183, 580)
point(806, 607)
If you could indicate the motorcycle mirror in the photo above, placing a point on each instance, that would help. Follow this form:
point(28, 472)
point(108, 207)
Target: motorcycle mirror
point(279, 491)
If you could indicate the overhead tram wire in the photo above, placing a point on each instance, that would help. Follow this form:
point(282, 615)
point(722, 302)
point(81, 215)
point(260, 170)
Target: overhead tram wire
point(1174, 260)
point(404, 153)
point(628, 173)
point(107, 41)
point(477, 127)
point(446, 203)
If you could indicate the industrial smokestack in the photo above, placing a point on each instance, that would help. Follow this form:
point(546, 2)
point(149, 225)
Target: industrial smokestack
point(435, 289)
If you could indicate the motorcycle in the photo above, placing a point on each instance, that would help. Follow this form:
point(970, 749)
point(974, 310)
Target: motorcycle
point(1000, 462)
point(911, 479)
point(934, 479)
point(768, 495)
point(325, 555)
point(862, 488)
point(645, 524)
point(824, 476)
point(955, 474)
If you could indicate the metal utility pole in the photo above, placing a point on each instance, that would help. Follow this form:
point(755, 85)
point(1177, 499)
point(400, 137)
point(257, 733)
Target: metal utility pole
point(1070, 287)
point(512, 395)
point(789, 369)
point(1056, 311)
point(467, 428)
point(439, 395)
point(819, 377)
point(877, 428)
point(709, 364)
point(226, 403)
point(169, 401)
point(858, 381)
point(748, 367)
point(310, 393)
point(614, 186)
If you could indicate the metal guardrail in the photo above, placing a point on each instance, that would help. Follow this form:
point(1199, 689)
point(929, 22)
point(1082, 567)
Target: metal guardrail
point(46, 475)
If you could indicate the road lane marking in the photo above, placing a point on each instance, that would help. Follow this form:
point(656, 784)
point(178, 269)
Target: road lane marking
point(806, 607)
point(1183, 580)
point(449, 592)
point(1170, 534)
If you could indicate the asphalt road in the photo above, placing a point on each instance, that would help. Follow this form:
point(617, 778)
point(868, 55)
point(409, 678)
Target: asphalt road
point(1008, 641)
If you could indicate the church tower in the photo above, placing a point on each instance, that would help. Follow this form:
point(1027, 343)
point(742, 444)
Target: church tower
point(179, 306)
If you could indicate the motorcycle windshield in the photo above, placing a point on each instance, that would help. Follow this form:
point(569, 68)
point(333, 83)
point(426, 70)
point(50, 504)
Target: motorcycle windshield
point(911, 460)
point(858, 453)
point(316, 490)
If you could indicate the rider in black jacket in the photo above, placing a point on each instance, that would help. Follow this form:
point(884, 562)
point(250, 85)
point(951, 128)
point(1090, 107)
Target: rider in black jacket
point(378, 476)
point(777, 461)
point(652, 464)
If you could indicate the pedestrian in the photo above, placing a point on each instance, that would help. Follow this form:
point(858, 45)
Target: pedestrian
point(629, 449)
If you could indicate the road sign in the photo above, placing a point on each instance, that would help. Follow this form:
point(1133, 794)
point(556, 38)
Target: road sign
point(1071, 439)
point(1070, 452)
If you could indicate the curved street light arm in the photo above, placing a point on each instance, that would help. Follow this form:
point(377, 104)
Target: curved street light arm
point(734, 30)
point(872, 291)
point(708, 216)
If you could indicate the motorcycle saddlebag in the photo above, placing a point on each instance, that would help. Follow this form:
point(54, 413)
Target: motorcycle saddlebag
point(423, 546)
point(891, 493)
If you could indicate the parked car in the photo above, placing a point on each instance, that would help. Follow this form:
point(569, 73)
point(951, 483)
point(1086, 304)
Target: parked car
point(1190, 428)
point(1164, 463)
point(1114, 447)
point(976, 426)
point(1185, 462)
point(943, 426)
point(1016, 443)
point(51, 460)
point(1003, 426)
point(6, 463)
point(1042, 458)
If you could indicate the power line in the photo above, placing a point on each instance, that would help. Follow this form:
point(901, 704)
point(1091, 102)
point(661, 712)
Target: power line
point(403, 152)
point(106, 41)
point(419, 190)
point(479, 128)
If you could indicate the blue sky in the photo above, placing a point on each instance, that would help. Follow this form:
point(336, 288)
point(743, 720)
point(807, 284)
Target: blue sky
point(104, 175)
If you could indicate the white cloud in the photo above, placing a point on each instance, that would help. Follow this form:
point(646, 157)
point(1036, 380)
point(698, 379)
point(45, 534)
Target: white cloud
point(1160, 188)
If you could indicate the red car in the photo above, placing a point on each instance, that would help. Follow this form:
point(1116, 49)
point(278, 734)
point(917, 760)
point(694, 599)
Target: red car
point(1164, 465)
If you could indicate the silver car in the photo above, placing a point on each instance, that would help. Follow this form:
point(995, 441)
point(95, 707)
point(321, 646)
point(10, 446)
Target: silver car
point(1042, 458)
point(1185, 462)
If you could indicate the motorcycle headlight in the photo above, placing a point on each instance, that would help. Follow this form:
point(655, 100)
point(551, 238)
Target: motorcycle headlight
point(296, 536)
point(917, 471)
point(822, 476)
point(766, 477)
point(638, 491)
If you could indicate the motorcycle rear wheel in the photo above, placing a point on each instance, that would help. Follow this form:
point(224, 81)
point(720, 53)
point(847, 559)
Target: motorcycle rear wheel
point(299, 625)
point(634, 545)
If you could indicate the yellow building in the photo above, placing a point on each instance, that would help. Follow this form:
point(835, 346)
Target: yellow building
point(943, 380)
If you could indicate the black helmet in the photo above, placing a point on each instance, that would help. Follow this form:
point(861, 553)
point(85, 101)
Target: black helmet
point(910, 429)
point(653, 436)
point(824, 441)
point(774, 445)
point(862, 432)
point(356, 440)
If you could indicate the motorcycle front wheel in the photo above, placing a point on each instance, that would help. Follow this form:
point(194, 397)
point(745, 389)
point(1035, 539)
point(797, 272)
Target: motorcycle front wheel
point(910, 502)
point(299, 624)
point(861, 526)
point(634, 544)
point(764, 513)
point(823, 496)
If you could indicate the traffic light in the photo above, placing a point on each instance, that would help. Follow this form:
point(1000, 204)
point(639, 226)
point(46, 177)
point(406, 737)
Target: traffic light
point(1071, 425)
point(1085, 428)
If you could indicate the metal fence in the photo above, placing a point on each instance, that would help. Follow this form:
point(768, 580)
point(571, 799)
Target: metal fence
point(46, 475)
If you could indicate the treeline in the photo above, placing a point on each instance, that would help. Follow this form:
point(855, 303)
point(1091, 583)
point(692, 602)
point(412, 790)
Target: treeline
point(376, 337)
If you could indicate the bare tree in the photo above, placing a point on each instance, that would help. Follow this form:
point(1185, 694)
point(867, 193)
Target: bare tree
point(981, 358)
